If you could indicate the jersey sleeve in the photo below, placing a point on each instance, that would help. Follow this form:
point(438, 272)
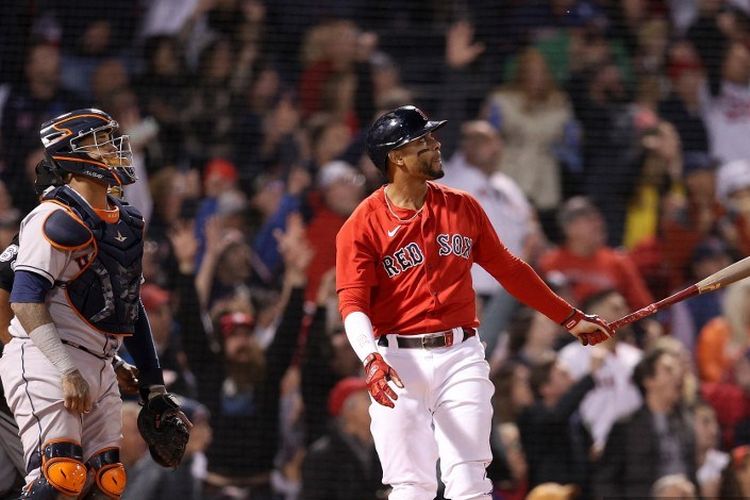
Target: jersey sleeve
point(515, 275)
point(355, 259)
point(35, 253)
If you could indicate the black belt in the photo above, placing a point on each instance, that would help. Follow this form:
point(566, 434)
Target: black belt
point(431, 341)
point(77, 346)
point(87, 350)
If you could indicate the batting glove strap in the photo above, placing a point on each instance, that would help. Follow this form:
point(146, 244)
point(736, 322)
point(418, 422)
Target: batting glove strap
point(573, 319)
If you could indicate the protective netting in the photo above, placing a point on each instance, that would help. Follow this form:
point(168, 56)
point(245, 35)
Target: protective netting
point(608, 141)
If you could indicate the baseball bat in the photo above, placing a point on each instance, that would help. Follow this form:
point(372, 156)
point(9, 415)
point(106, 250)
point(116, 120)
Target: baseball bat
point(730, 274)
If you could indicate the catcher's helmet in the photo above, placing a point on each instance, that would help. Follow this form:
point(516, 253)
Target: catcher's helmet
point(394, 129)
point(108, 162)
point(47, 176)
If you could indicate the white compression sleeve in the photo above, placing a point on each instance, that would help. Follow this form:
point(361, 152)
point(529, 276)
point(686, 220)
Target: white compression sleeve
point(359, 332)
point(47, 340)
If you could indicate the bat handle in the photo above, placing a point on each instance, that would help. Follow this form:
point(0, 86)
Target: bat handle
point(656, 306)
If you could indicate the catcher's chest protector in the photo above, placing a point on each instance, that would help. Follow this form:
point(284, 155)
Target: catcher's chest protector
point(106, 292)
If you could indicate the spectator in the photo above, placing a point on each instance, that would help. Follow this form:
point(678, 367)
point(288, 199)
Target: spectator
point(340, 190)
point(242, 381)
point(733, 192)
point(736, 478)
point(343, 464)
point(731, 400)
point(725, 111)
point(682, 107)
point(531, 337)
point(474, 169)
point(615, 395)
point(553, 491)
point(686, 222)
point(653, 442)
point(166, 333)
point(710, 460)
point(674, 486)
point(724, 337)
point(688, 318)
point(587, 262)
point(38, 98)
point(150, 482)
point(555, 445)
point(532, 106)
point(162, 91)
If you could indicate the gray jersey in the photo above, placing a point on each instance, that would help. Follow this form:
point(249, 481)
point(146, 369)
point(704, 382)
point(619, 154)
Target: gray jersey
point(38, 255)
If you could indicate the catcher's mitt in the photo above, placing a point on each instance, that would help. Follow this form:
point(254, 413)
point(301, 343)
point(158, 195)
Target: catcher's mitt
point(165, 429)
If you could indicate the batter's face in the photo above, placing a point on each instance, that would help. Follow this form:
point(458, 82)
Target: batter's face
point(421, 158)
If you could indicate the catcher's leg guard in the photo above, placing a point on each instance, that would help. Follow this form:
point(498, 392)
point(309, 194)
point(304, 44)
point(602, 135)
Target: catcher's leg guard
point(109, 475)
point(62, 470)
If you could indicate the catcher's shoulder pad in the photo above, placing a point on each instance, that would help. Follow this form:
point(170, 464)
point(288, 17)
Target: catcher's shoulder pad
point(66, 232)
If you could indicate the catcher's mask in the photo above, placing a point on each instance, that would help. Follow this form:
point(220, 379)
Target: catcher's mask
point(86, 142)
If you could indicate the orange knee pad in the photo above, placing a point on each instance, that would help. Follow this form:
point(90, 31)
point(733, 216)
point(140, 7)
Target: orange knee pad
point(62, 466)
point(109, 473)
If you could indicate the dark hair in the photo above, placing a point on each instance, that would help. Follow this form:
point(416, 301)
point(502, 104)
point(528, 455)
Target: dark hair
point(646, 367)
point(594, 299)
point(540, 373)
point(518, 329)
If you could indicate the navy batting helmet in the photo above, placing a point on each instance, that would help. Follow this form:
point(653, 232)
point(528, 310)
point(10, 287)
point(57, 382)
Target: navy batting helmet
point(394, 129)
point(107, 161)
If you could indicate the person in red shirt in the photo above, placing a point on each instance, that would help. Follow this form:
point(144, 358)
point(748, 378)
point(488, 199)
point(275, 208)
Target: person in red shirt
point(587, 262)
point(403, 263)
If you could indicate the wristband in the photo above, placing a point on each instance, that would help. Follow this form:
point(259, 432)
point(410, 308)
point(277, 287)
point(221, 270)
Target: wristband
point(47, 340)
point(358, 330)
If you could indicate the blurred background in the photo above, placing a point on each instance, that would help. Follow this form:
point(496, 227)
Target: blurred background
point(608, 141)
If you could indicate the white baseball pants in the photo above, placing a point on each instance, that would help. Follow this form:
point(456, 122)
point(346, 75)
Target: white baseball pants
point(444, 411)
point(34, 394)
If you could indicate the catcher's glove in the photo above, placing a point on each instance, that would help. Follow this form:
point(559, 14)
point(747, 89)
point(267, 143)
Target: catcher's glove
point(165, 429)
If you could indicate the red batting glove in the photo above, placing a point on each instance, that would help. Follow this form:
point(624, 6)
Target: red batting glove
point(377, 375)
point(589, 329)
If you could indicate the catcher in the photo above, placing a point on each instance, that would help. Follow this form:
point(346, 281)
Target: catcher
point(79, 261)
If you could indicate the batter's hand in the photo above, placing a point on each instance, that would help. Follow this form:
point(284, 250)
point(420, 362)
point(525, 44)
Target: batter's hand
point(377, 375)
point(589, 329)
point(76, 392)
point(127, 376)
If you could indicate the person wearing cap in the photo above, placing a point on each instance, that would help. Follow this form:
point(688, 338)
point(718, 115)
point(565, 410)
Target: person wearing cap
point(342, 464)
point(589, 264)
point(403, 277)
point(238, 380)
point(733, 192)
point(341, 187)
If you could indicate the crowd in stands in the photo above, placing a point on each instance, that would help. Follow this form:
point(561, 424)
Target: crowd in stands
point(607, 140)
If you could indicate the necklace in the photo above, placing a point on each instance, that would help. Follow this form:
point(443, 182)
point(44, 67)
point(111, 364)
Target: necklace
point(390, 209)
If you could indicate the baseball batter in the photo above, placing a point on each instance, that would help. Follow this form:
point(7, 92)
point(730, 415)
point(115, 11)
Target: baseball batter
point(75, 297)
point(403, 263)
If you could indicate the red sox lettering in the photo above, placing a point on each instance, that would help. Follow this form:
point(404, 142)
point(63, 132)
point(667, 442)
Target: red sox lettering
point(411, 255)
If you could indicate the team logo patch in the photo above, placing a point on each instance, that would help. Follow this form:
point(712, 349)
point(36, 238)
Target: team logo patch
point(9, 253)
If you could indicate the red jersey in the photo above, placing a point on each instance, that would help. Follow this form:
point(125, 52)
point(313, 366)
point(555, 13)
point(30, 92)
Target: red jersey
point(410, 271)
point(606, 269)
